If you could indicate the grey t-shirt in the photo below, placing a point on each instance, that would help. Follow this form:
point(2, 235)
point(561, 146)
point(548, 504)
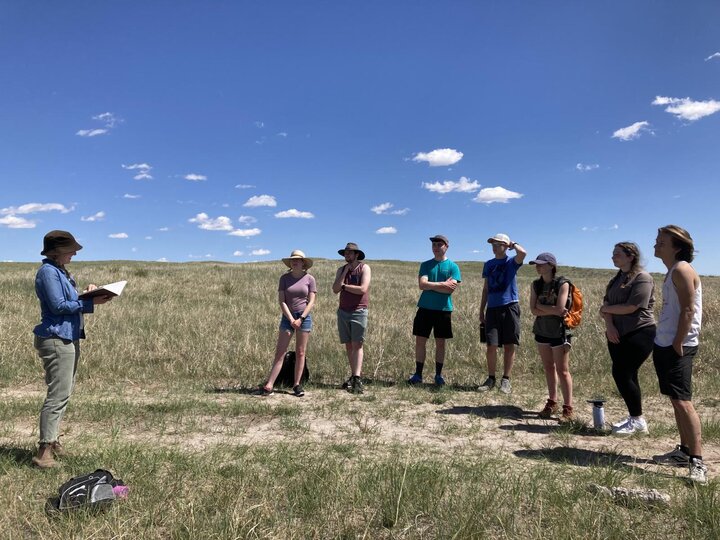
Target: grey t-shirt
point(639, 291)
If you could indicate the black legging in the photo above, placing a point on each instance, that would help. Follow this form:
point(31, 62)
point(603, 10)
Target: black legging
point(627, 357)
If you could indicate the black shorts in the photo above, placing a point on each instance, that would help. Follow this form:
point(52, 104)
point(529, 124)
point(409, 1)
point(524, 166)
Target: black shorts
point(502, 325)
point(554, 341)
point(439, 322)
point(674, 372)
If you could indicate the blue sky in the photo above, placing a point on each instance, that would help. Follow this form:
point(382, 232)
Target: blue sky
point(238, 131)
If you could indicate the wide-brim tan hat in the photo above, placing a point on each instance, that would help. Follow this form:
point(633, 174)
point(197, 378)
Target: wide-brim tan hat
point(352, 246)
point(297, 254)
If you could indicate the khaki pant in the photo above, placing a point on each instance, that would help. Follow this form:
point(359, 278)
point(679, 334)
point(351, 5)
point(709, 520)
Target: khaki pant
point(60, 359)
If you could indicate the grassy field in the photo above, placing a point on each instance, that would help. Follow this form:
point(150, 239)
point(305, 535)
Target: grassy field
point(163, 401)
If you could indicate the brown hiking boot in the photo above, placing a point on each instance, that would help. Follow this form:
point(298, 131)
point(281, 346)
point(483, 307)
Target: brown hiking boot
point(44, 458)
point(551, 408)
point(567, 415)
point(58, 449)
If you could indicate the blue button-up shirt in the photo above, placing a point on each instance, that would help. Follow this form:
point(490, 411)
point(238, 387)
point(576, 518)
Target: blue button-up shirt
point(60, 309)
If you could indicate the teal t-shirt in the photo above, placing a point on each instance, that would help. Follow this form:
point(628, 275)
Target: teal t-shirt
point(438, 271)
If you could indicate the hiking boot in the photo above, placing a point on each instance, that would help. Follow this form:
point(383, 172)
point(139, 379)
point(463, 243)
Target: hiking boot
point(505, 386)
point(439, 380)
point(298, 390)
point(347, 385)
point(44, 458)
point(356, 386)
point(488, 385)
point(698, 471)
point(57, 449)
point(551, 408)
point(567, 415)
point(675, 458)
point(633, 426)
point(415, 379)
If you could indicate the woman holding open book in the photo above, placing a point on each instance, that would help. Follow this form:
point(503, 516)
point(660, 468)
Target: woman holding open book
point(57, 337)
point(296, 296)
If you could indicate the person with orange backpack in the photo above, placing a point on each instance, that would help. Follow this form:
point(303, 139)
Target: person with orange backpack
point(551, 302)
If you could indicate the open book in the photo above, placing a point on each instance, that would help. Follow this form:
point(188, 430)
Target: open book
point(113, 289)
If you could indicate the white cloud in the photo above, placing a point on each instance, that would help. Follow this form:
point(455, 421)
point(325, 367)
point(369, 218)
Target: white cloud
point(120, 235)
point(245, 232)
point(129, 196)
point(496, 194)
point(34, 208)
point(91, 132)
point(615, 227)
point(259, 124)
point(293, 213)
point(195, 177)
point(164, 229)
point(631, 132)
point(584, 168)
point(464, 185)
point(142, 176)
point(162, 259)
point(686, 108)
point(148, 238)
point(108, 118)
point(238, 253)
point(14, 222)
point(243, 186)
point(714, 55)
point(386, 209)
point(138, 166)
point(282, 134)
point(261, 200)
point(260, 252)
point(440, 157)
point(95, 217)
point(386, 230)
point(221, 223)
point(246, 220)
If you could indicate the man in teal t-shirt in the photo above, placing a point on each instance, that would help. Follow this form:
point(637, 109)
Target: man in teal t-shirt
point(438, 278)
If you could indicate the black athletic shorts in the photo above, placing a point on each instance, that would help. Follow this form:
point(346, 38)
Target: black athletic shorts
point(674, 372)
point(427, 320)
point(502, 325)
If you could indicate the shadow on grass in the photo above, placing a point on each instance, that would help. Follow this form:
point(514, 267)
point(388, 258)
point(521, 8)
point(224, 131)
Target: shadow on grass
point(490, 411)
point(582, 457)
point(552, 426)
point(21, 456)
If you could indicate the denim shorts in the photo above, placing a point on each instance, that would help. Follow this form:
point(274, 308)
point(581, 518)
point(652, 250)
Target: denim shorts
point(305, 327)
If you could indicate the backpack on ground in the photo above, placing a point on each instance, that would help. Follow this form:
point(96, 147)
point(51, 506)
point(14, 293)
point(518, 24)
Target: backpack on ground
point(574, 302)
point(287, 373)
point(94, 489)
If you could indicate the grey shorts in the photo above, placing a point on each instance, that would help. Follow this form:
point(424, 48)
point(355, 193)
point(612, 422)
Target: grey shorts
point(502, 325)
point(352, 325)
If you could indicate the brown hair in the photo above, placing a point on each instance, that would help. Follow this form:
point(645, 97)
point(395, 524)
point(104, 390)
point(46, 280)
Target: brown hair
point(681, 240)
point(632, 250)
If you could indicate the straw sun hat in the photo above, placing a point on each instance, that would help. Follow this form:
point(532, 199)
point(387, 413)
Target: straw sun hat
point(297, 254)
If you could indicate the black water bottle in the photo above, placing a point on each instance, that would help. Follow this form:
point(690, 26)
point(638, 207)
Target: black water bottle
point(483, 335)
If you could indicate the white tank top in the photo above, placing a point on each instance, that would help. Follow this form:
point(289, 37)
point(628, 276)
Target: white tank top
point(670, 315)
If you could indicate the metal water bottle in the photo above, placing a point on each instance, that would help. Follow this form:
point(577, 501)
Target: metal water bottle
point(598, 413)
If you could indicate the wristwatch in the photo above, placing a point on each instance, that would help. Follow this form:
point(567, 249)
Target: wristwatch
point(342, 288)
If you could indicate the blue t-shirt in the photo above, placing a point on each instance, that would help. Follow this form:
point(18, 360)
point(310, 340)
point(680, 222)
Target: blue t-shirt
point(438, 271)
point(502, 285)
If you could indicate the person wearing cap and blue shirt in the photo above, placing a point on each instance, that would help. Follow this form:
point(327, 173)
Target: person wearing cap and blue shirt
point(438, 279)
point(502, 318)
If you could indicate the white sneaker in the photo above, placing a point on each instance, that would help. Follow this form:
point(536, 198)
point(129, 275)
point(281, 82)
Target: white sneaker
point(621, 422)
point(698, 471)
point(633, 426)
point(505, 386)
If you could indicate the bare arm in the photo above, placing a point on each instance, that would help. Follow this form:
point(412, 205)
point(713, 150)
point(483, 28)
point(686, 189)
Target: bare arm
point(284, 307)
point(520, 252)
point(533, 302)
point(483, 301)
point(447, 287)
point(559, 308)
point(339, 278)
point(364, 283)
point(684, 278)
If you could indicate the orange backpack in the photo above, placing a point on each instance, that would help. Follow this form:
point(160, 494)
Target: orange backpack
point(575, 306)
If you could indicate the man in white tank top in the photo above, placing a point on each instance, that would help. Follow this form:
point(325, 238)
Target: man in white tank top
point(676, 344)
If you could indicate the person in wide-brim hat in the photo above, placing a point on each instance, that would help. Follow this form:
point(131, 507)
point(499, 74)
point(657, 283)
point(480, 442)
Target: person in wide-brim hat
point(59, 242)
point(352, 246)
point(298, 254)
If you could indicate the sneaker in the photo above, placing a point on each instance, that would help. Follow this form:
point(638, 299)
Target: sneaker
point(298, 390)
point(698, 471)
point(567, 415)
point(263, 392)
point(415, 379)
point(347, 385)
point(633, 426)
point(356, 386)
point(674, 458)
point(505, 386)
point(621, 422)
point(439, 381)
point(488, 385)
point(551, 408)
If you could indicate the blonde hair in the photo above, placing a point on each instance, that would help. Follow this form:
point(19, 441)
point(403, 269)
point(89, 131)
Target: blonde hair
point(681, 240)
